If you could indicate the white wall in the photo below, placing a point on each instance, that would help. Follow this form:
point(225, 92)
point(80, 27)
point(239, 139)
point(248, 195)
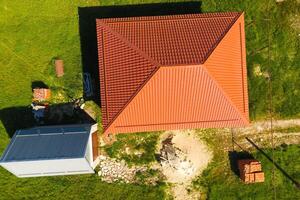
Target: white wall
point(49, 167)
point(89, 149)
point(94, 128)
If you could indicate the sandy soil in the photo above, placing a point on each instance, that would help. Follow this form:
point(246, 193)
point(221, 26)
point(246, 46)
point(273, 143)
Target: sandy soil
point(197, 159)
point(265, 125)
point(258, 132)
point(199, 155)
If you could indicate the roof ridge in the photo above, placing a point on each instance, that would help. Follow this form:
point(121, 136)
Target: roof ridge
point(225, 95)
point(132, 46)
point(222, 36)
point(131, 98)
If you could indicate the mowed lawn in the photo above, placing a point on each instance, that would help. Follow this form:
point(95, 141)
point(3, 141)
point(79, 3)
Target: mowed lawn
point(33, 33)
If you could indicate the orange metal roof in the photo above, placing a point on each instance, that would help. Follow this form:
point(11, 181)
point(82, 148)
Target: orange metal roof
point(148, 68)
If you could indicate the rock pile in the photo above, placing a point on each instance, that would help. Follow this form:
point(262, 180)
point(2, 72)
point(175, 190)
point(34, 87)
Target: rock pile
point(111, 170)
point(173, 157)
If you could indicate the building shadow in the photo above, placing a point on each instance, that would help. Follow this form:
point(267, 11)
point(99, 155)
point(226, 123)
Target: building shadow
point(88, 37)
point(66, 113)
point(16, 118)
point(38, 84)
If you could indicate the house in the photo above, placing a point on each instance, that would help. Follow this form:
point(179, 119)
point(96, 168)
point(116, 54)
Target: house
point(52, 150)
point(172, 72)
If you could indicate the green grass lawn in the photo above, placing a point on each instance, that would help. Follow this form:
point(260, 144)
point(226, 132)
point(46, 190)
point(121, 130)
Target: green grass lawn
point(284, 52)
point(73, 187)
point(218, 181)
point(33, 33)
point(221, 183)
point(135, 148)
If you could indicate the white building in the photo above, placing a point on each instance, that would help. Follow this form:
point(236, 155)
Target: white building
point(52, 150)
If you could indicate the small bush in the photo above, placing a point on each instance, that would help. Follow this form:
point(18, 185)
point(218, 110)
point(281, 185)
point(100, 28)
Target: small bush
point(134, 148)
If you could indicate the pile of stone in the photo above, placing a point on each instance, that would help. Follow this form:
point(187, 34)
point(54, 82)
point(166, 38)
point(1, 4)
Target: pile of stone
point(173, 157)
point(111, 170)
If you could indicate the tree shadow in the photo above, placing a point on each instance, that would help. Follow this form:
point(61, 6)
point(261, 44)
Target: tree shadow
point(88, 37)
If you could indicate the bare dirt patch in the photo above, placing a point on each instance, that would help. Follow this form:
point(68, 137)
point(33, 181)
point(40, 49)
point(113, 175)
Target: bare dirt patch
point(193, 157)
point(259, 132)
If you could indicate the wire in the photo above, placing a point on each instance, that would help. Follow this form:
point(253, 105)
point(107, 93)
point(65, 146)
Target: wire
point(270, 100)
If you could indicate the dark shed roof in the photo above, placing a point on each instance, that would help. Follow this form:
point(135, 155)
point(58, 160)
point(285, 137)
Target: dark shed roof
point(47, 143)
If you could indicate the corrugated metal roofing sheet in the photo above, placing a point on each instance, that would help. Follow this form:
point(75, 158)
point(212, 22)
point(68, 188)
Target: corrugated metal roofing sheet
point(118, 79)
point(174, 40)
point(131, 50)
point(48, 142)
point(177, 98)
point(227, 65)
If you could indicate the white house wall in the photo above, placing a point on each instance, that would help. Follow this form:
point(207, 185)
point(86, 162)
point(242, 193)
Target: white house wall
point(49, 167)
point(89, 151)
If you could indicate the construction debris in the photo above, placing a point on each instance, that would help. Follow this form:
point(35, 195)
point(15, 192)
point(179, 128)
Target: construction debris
point(173, 157)
point(112, 170)
point(251, 171)
point(39, 111)
point(41, 94)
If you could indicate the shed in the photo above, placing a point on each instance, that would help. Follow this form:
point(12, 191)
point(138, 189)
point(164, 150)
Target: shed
point(51, 150)
point(172, 72)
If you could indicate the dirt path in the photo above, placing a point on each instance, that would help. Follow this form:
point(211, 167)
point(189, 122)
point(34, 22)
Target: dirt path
point(197, 159)
point(265, 125)
point(259, 133)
